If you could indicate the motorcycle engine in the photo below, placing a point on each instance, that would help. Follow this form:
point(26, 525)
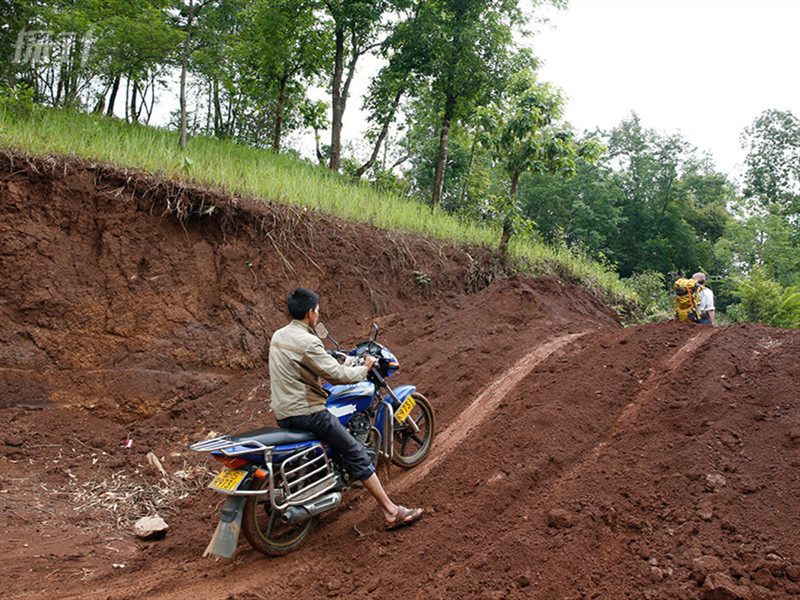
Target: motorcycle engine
point(359, 426)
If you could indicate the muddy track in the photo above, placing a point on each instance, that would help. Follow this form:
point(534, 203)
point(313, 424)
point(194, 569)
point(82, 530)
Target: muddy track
point(627, 417)
point(482, 408)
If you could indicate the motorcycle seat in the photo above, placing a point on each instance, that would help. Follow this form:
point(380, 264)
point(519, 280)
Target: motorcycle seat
point(274, 436)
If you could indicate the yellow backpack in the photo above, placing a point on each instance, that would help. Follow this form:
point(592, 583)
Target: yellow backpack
point(686, 297)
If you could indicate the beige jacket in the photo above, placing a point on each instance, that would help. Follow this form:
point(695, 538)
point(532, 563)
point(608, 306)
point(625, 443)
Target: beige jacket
point(297, 362)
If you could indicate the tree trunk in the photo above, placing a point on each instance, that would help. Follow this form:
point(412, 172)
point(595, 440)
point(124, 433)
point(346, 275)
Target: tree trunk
point(147, 108)
point(514, 185)
point(507, 221)
point(100, 106)
point(276, 137)
point(337, 102)
point(126, 110)
point(59, 88)
point(136, 103)
point(384, 132)
point(113, 98)
point(504, 239)
point(134, 88)
point(320, 157)
point(71, 75)
point(339, 96)
point(184, 68)
point(441, 160)
point(217, 110)
point(465, 187)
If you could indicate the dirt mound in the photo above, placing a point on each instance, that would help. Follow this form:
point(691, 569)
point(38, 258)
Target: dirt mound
point(574, 458)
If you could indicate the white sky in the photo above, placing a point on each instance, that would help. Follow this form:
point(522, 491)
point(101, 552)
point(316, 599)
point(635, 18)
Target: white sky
point(705, 68)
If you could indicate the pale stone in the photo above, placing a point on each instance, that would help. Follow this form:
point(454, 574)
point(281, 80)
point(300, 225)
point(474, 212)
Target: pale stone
point(150, 527)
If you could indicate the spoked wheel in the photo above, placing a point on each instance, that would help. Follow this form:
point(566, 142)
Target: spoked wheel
point(410, 447)
point(263, 528)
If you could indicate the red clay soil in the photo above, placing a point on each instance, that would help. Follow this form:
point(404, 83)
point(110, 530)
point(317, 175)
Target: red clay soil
point(574, 458)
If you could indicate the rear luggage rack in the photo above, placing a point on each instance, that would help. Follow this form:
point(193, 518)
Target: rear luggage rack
point(224, 444)
point(304, 476)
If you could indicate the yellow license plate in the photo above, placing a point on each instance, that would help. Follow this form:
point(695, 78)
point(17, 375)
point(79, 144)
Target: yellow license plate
point(405, 409)
point(228, 480)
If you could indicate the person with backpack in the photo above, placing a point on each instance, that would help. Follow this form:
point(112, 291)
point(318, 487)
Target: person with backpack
point(694, 302)
point(705, 301)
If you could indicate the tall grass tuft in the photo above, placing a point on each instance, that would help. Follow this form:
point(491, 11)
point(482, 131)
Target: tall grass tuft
point(258, 173)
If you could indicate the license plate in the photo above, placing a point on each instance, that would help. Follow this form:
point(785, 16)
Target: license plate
point(405, 409)
point(228, 480)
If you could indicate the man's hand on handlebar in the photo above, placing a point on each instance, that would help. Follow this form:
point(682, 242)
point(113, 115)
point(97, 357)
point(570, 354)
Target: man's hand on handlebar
point(366, 360)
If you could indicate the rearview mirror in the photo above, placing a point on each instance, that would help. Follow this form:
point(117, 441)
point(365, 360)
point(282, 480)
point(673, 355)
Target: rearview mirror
point(373, 332)
point(323, 334)
point(321, 330)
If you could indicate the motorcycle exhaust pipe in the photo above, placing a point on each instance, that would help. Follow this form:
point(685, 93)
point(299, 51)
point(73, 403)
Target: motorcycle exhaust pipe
point(295, 514)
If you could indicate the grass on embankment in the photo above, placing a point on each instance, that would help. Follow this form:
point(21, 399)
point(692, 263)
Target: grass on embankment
point(258, 173)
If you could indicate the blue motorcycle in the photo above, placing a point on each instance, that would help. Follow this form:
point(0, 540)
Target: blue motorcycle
point(278, 481)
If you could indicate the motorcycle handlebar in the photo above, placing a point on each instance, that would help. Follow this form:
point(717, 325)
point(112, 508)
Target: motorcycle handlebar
point(340, 356)
point(357, 360)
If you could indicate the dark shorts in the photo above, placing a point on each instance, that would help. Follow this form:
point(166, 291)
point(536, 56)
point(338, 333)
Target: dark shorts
point(328, 428)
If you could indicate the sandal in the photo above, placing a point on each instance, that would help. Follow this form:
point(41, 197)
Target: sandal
point(405, 516)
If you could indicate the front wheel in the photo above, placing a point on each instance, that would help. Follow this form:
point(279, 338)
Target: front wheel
point(263, 528)
point(410, 447)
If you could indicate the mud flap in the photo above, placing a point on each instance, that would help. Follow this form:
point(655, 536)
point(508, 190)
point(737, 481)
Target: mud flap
point(223, 544)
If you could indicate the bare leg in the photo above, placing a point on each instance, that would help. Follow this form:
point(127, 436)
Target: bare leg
point(374, 487)
point(395, 516)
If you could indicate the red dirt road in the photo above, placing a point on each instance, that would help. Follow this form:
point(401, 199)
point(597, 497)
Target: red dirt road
point(574, 458)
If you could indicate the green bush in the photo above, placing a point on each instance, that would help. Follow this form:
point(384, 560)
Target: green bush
point(762, 300)
point(17, 100)
point(655, 298)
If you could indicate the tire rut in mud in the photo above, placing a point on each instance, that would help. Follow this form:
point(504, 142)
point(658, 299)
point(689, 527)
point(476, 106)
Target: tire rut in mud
point(485, 403)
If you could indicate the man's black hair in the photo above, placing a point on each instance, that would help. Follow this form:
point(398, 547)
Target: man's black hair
point(301, 301)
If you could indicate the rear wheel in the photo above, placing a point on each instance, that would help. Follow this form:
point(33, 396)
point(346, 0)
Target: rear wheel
point(410, 447)
point(263, 528)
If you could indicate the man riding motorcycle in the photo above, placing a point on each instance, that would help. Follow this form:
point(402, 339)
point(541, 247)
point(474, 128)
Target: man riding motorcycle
point(297, 362)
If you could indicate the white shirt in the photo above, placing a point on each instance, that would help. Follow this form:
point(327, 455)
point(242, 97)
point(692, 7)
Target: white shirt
point(705, 300)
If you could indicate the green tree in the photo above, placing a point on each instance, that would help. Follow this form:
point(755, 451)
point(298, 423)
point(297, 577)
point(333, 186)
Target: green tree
point(709, 196)
point(49, 49)
point(16, 15)
point(214, 63)
point(134, 39)
point(764, 235)
point(524, 133)
point(357, 25)
point(190, 18)
point(772, 177)
point(463, 191)
point(583, 212)
point(762, 240)
point(284, 46)
point(397, 78)
point(655, 234)
point(470, 49)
